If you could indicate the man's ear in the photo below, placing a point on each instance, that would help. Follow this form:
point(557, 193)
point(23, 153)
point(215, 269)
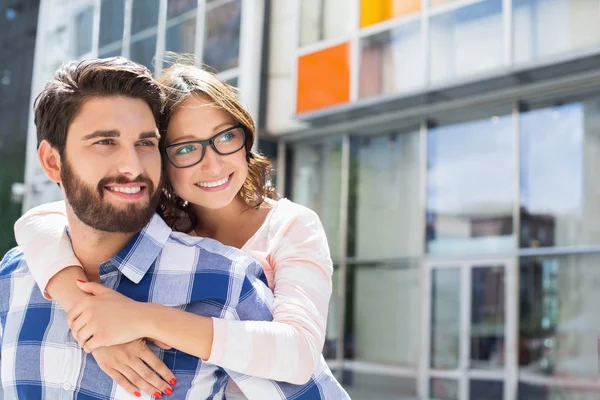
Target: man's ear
point(50, 161)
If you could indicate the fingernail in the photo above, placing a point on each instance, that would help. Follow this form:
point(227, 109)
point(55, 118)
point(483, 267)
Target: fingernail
point(79, 280)
point(169, 391)
point(173, 381)
point(157, 395)
point(138, 394)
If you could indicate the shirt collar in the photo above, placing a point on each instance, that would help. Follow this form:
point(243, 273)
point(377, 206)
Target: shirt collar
point(136, 258)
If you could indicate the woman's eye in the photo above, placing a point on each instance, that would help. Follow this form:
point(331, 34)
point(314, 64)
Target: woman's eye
point(185, 150)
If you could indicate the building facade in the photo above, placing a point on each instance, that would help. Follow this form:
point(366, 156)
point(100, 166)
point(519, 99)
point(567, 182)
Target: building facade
point(449, 147)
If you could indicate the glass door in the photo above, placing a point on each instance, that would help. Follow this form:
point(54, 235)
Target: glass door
point(471, 330)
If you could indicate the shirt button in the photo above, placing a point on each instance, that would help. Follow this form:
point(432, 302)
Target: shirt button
point(67, 386)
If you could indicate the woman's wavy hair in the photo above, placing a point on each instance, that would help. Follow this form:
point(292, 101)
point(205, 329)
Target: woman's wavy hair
point(179, 82)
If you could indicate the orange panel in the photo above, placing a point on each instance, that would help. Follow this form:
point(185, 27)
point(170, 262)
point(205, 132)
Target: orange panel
point(375, 11)
point(323, 78)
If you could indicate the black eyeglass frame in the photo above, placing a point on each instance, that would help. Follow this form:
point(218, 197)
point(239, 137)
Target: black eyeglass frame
point(205, 144)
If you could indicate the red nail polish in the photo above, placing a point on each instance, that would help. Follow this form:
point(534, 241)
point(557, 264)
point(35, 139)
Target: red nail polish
point(168, 391)
point(157, 395)
point(173, 381)
point(79, 280)
point(138, 394)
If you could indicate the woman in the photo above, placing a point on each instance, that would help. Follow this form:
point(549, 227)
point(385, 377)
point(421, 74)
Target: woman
point(217, 188)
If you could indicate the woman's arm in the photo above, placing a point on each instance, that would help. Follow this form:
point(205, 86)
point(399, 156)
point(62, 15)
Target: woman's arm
point(289, 348)
point(41, 234)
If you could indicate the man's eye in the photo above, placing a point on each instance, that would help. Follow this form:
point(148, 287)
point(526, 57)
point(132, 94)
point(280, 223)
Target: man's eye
point(147, 143)
point(104, 142)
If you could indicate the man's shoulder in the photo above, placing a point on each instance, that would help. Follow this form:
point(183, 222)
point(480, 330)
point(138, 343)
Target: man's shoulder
point(12, 261)
point(208, 253)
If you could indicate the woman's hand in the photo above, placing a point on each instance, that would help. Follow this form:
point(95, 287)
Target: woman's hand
point(136, 368)
point(105, 319)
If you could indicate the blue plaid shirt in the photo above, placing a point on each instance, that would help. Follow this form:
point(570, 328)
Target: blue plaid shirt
point(40, 359)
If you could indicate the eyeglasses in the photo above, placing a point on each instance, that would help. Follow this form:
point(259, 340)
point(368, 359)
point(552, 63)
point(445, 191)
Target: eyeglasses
point(187, 154)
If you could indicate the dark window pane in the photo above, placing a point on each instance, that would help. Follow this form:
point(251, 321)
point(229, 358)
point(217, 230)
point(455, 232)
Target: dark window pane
point(143, 51)
point(143, 15)
point(178, 7)
point(84, 22)
point(222, 39)
point(360, 385)
point(112, 21)
point(181, 38)
point(486, 390)
point(487, 317)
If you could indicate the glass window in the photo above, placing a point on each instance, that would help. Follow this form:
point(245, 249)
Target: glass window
point(445, 318)
point(466, 41)
point(144, 15)
point(332, 333)
point(486, 389)
point(84, 22)
point(393, 290)
point(387, 187)
point(392, 61)
point(181, 38)
point(323, 78)
point(222, 41)
point(176, 8)
point(143, 51)
point(111, 51)
point(316, 184)
point(434, 3)
point(471, 187)
point(374, 11)
point(559, 321)
point(559, 186)
point(112, 21)
point(363, 385)
point(487, 318)
point(324, 19)
point(443, 389)
point(545, 28)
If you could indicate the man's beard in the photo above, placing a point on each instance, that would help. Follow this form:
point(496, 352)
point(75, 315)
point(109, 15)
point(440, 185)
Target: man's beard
point(92, 209)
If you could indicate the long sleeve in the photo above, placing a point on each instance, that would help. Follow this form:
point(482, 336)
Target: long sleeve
point(42, 236)
point(289, 348)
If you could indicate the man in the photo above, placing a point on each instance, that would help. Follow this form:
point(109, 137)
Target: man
point(97, 133)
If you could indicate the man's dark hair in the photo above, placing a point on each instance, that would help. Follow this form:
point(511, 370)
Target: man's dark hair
point(59, 103)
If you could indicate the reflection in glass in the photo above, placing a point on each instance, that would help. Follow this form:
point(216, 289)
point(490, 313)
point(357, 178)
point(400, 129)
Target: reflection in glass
point(548, 392)
point(177, 7)
point(362, 386)
point(487, 318)
point(387, 207)
point(445, 318)
point(222, 39)
point(560, 175)
point(181, 38)
point(434, 3)
point(559, 319)
point(546, 28)
point(316, 184)
point(144, 15)
point(110, 51)
point(112, 21)
point(84, 22)
point(470, 187)
point(393, 290)
point(443, 389)
point(143, 51)
point(486, 390)
point(391, 61)
point(466, 41)
point(323, 19)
